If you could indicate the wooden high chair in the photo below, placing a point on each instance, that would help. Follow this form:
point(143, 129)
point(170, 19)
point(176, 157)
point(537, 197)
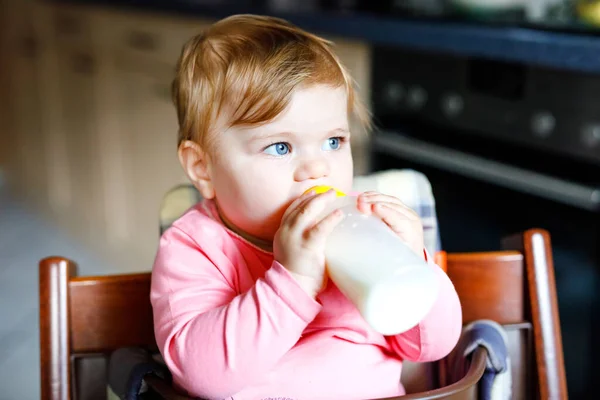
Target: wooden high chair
point(83, 319)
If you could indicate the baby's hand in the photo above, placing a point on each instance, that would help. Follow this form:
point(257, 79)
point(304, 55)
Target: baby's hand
point(299, 244)
point(404, 221)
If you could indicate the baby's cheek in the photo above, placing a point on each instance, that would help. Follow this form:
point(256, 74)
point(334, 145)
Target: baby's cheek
point(266, 211)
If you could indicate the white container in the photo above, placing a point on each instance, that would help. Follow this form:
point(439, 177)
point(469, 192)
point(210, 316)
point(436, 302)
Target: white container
point(392, 287)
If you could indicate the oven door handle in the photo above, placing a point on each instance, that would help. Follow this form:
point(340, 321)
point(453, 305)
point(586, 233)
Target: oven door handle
point(497, 173)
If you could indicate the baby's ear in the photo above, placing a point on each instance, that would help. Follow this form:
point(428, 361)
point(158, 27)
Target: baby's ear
point(196, 164)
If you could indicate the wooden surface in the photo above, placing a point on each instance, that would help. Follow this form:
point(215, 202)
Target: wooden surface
point(542, 310)
point(489, 285)
point(110, 312)
point(55, 351)
point(83, 315)
point(465, 389)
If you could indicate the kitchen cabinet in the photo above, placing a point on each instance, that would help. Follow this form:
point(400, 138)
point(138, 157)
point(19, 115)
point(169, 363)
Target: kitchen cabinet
point(6, 137)
point(139, 125)
point(50, 81)
point(27, 140)
point(77, 68)
point(151, 166)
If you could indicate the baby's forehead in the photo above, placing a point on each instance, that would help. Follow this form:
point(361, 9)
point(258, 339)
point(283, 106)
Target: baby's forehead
point(319, 106)
point(317, 109)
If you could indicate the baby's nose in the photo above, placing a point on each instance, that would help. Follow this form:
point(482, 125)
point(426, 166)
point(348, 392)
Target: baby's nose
point(313, 168)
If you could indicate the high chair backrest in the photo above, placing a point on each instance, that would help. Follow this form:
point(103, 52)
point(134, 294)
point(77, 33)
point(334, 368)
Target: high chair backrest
point(82, 319)
point(515, 288)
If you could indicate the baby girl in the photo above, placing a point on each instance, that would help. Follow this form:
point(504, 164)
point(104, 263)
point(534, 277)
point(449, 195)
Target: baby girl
point(243, 308)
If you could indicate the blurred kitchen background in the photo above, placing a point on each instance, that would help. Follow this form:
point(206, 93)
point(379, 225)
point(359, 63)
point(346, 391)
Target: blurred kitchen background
point(497, 101)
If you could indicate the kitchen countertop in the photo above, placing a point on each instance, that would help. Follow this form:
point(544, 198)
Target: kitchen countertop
point(554, 49)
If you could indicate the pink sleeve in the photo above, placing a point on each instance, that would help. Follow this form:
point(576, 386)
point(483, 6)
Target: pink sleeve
point(434, 337)
point(214, 340)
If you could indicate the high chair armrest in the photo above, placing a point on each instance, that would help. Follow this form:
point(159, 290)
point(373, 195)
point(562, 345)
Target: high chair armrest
point(460, 389)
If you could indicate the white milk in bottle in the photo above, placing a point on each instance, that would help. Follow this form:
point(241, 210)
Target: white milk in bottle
point(392, 287)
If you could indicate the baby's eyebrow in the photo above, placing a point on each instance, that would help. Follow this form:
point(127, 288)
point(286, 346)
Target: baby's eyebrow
point(287, 134)
point(266, 135)
point(338, 131)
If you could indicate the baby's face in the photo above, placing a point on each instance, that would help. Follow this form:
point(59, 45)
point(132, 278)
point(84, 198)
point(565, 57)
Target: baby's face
point(257, 172)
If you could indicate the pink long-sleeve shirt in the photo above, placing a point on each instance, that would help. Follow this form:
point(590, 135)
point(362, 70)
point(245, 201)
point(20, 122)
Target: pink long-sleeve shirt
point(232, 323)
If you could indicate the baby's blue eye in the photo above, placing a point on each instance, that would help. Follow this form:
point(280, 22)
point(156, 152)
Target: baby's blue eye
point(332, 144)
point(278, 149)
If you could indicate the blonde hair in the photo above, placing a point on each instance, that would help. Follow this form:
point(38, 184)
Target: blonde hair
point(249, 66)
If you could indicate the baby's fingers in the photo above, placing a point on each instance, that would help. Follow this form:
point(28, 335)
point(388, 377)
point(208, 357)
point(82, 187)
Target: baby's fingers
point(318, 233)
point(299, 202)
point(309, 209)
point(400, 209)
point(399, 219)
point(377, 197)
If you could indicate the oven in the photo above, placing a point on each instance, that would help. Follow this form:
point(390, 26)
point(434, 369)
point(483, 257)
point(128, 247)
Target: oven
point(506, 147)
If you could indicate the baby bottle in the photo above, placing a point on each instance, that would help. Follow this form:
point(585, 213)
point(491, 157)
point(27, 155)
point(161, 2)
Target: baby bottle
point(392, 287)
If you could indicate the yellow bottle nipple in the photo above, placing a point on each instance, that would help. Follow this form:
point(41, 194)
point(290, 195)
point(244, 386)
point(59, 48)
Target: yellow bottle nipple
point(323, 188)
